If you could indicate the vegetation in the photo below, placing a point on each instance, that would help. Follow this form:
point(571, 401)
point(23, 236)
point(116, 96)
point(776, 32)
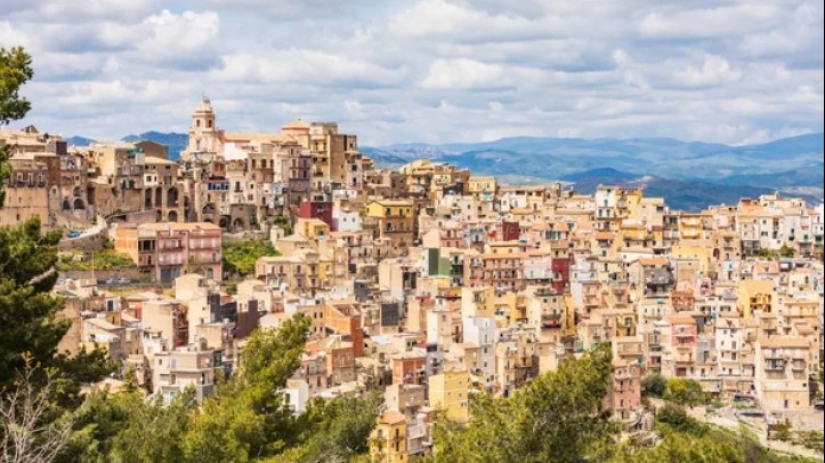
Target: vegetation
point(239, 258)
point(284, 223)
point(685, 392)
point(106, 259)
point(686, 440)
point(767, 253)
point(556, 418)
point(247, 420)
point(38, 384)
point(787, 251)
point(15, 70)
point(654, 385)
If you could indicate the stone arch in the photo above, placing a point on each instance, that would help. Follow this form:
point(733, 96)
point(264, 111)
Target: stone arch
point(147, 195)
point(78, 204)
point(172, 197)
point(173, 216)
point(208, 221)
point(224, 223)
point(209, 208)
point(67, 205)
point(159, 197)
point(77, 192)
point(158, 215)
point(238, 225)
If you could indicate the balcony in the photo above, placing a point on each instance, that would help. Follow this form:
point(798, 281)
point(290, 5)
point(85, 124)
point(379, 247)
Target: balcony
point(799, 366)
point(551, 322)
point(775, 366)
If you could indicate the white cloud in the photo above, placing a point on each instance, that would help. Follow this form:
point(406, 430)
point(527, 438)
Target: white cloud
point(724, 21)
point(303, 66)
point(715, 71)
point(175, 35)
point(428, 70)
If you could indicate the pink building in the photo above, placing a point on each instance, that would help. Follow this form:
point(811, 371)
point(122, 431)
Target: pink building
point(683, 331)
point(625, 394)
point(166, 251)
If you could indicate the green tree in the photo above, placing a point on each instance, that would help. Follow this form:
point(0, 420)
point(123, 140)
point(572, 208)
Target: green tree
point(558, 418)
point(787, 251)
point(240, 258)
point(654, 385)
point(28, 312)
point(685, 392)
point(335, 431)
point(249, 418)
point(767, 253)
point(676, 417)
point(15, 71)
point(154, 431)
point(124, 428)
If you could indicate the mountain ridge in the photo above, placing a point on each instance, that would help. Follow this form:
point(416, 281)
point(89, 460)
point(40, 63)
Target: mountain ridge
point(680, 170)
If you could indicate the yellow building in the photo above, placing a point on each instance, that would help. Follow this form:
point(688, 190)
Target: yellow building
point(691, 226)
point(700, 253)
point(754, 295)
point(480, 185)
point(388, 442)
point(449, 392)
point(314, 229)
point(394, 220)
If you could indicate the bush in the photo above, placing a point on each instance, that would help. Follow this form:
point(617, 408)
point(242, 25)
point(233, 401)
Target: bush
point(107, 259)
point(654, 385)
point(685, 392)
point(677, 418)
point(783, 432)
point(239, 258)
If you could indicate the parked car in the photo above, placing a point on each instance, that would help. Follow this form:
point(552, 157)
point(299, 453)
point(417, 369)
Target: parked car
point(74, 233)
point(123, 281)
point(112, 281)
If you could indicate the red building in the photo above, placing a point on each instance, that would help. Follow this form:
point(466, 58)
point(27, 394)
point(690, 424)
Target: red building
point(510, 231)
point(409, 369)
point(320, 210)
point(561, 269)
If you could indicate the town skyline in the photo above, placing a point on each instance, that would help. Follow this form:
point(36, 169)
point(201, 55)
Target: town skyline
point(725, 72)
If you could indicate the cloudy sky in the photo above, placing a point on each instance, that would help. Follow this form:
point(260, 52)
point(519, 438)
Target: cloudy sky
point(733, 71)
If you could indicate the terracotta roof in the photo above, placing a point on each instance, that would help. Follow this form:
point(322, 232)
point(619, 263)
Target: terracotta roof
point(681, 320)
point(392, 418)
point(653, 262)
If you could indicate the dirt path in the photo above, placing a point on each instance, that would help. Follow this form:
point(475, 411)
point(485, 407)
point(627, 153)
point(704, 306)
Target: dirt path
point(729, 421)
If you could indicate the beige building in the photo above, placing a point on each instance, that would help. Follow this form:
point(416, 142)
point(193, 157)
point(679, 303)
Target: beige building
point(782, 373)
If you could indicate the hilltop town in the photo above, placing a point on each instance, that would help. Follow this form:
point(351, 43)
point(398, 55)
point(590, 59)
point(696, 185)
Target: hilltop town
point(426, 283)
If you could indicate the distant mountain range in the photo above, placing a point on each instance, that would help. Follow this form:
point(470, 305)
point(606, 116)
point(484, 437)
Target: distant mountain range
point(690, 175)
point(175, 141)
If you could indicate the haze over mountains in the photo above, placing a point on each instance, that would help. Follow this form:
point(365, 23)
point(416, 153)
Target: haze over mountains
point(690, 175)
